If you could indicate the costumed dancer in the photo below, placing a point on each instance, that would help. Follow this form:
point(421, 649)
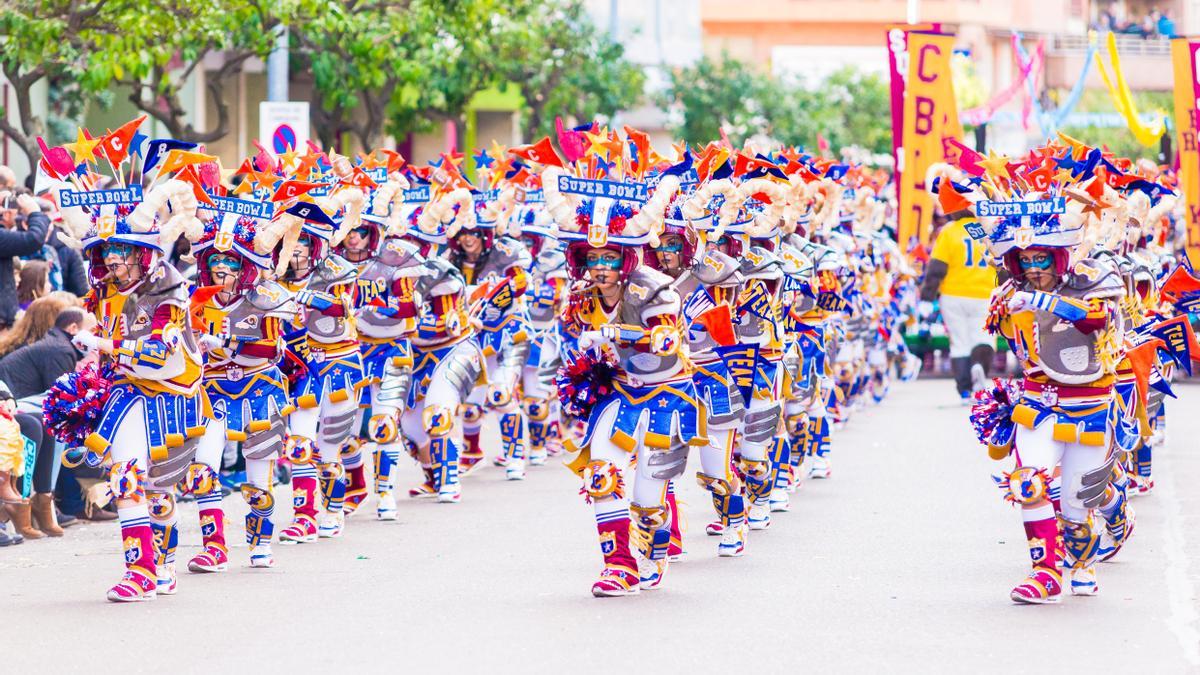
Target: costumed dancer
point(324, 348)
point(386, 310)
point(154, 409)
point(1059, 314)
point(495, 268)
point(240, 314)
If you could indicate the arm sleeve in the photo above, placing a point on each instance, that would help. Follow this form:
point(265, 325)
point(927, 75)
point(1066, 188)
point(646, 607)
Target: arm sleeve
point(267, 347)
point(16, 243)
point(935, 273)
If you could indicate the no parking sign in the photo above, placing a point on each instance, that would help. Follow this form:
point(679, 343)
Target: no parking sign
point(283, 125)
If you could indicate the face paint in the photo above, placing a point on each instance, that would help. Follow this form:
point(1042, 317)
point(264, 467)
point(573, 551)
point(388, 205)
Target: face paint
point(604, 260)
point(118, 249)
point(1042, 262)
point(673, 247)
point(232, 262)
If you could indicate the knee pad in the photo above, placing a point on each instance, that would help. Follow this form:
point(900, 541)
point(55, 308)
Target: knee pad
point(1026, 485)
point(755, 469)
point(649, 518)
point(257, 498)
point(498, 397)
point(299, 450)
point(438, 420)
point(537, 410)
point(161, 505)
point(796, 424)
point(719, 487)
point(126, 480)
point(666, 464)
point(199, 479)
point(382, 428)
point(760, 424)
point(350, 447)
point(335, 426)
point(330, 471)
point(471, 414)
point(602, 479)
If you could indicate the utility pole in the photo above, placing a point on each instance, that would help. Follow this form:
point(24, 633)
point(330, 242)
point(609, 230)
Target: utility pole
point(277, 67)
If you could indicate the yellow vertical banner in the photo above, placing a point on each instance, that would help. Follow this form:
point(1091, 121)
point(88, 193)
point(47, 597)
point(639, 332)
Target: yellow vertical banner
point(1187, 97)
point(930, 123)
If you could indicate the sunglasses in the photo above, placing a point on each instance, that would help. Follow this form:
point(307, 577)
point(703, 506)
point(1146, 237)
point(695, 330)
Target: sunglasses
point(1042, 262)
point(117, 249)
point(232, 262)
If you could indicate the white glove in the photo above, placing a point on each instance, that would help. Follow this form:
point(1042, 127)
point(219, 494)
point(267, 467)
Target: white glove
point(210, 342)
point(86, 341)
point(592, 338)
point(1020, 301)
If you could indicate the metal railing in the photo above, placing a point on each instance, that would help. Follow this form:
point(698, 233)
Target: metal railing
point(1127, 45)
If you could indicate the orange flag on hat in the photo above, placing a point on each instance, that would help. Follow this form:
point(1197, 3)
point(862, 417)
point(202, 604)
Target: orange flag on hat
point(951, 200)
point(177, 159)
point(291, 189)
point(115, 145)
point(541, 152)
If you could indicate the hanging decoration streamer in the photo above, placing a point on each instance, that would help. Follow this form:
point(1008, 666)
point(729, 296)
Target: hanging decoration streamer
point(1050, 121)
point(984, 113)
point(1146, 134)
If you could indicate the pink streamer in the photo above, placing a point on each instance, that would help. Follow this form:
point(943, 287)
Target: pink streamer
point(981, 114)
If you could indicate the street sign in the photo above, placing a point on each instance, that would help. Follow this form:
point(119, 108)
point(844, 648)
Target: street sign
point(283, 125)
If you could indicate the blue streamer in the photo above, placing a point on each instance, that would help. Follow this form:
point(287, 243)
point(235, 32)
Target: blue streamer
point(1049, 122)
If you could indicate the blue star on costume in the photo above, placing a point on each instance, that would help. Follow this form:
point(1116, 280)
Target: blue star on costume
point(483, 160)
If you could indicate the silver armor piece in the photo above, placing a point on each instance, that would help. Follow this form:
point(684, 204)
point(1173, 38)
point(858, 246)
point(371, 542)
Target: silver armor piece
point(331, 271)
point(164, 286)
point(667, 464)
point(461, 367)
point(717, 269)
point(648, 293)
point(543, 313)
point(335, 428)
point(165, 474)
point(397, 259)
point(244, 318)
point(761, 263)
point(1094, 483)
point(1066, 354)
point(394, 385)
point(761, 423)
point(439, 278)
point(516, 356)
point(265, 444)
point(802, 388)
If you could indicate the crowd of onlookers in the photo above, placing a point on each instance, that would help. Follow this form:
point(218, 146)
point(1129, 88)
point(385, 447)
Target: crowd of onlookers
point(1157, 23)
point(42, 283)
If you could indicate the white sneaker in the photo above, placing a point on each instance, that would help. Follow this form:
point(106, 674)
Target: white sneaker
point(733, 542)
point(168, 580)
point(779, 500)
point(759, 516)
point(715, 528)
point(450, 494)
point(651, 573)
point(514, 469)
point(820, 467)
point(1083, 581)
point(386, 508)
point(537, 459)
point(330, 525)
point(261, 556)
point(979, 379)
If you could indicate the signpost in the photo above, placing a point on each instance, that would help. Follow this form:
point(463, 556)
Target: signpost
point(283, 125)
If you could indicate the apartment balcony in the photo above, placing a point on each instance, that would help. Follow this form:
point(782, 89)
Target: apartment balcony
point(1146, 62)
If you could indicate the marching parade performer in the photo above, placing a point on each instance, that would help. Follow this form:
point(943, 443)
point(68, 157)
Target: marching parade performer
point(1059, 311)
point(324, 342)
point(631, 379)
point(707, 280)
point(548, 281)
point(154, 407)
point(386, 310)
point(495, 268)
point(240, 314)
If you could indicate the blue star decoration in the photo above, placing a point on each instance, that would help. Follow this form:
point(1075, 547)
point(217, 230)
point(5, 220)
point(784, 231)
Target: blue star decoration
point(483, 160)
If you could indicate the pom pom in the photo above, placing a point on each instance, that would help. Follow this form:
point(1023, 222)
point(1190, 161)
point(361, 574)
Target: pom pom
point(991, 414)
point(75, 403)
point(585, 381)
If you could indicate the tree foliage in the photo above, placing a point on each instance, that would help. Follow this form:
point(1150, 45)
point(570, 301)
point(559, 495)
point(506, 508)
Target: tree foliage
point(849, 107)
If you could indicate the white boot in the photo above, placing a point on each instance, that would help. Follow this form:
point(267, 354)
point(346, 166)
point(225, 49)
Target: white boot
point(386, 508)
point(330, 525)
point(759, 517)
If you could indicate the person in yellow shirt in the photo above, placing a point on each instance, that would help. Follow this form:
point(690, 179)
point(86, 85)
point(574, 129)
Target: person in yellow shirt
point(958, 272)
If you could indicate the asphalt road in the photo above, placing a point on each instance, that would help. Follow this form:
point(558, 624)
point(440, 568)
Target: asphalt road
point(901, 562)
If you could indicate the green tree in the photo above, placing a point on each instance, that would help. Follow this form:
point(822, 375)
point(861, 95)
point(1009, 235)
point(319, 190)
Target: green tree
point(577, 70)
point(849, 107)
point(157, 47)
point(713, 94)
point(48, 39)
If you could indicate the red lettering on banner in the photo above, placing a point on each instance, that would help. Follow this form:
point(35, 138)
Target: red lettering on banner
point(921, 63)
point(924, 111)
